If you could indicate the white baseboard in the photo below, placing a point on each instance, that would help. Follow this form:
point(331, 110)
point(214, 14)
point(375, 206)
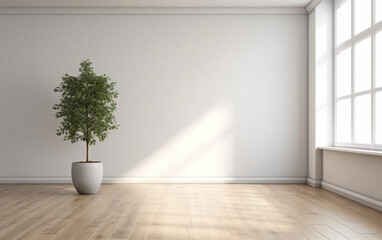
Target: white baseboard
point(360, 198)
point(27, 180)
point(21, 180)
point(313, 182)
point(205, 180)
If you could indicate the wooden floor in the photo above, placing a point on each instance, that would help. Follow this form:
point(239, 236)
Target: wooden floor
point(183, 211)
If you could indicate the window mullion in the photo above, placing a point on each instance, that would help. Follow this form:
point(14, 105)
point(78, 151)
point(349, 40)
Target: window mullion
point(373, 75)
point(373, 87)
point(352, 72)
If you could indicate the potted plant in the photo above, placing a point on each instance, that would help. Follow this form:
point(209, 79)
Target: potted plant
point(86, 107)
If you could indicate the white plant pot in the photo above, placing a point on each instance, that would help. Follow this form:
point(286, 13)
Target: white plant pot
point(87, 177)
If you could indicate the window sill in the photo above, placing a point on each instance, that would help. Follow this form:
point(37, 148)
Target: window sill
point(353, 150)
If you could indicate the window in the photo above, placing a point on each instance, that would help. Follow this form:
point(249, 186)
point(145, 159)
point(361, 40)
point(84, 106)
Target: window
point(362, 15)
point(378, 10)
point(358, 73)
point(343, 19)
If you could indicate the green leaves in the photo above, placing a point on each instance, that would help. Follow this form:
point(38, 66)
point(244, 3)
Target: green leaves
point(87, 106)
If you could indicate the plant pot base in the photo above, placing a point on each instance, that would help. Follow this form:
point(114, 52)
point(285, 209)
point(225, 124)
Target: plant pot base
point(87, 177)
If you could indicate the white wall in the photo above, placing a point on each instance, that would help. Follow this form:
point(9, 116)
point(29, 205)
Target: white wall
point(357, 176)
point(320, 87)
point(200, 96)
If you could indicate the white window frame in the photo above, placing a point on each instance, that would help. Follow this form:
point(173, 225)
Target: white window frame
point(354, 39)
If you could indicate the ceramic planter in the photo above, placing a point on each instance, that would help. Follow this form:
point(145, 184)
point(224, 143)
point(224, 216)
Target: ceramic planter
point(87, 177)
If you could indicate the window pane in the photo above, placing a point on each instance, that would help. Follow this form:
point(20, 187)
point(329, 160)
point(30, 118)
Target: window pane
point(378, 10)
point(343, 73)
point(378, 118)
point(343, 20)
point(378, 59)
point(343, 121)
point(362, 65)
point(362, 11)
point(362, 119)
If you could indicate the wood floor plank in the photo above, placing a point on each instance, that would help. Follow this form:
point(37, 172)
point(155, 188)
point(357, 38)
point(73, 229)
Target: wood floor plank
point(164, 224)
point(373, 236)
point(31, 221)
point(107, 228)
point(127, 224)
point(20, 212)
point(183, 212)
point(329, 233)
point(142, 226)
point(43, 237)
point(339, 227)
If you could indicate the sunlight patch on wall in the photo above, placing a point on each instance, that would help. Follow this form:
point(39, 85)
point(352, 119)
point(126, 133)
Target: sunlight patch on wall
point(323, 106)
point(203, 148)
point(323, 85)
point(321, 41)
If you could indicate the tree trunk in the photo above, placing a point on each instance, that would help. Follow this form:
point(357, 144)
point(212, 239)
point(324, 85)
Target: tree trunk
point(87, 151)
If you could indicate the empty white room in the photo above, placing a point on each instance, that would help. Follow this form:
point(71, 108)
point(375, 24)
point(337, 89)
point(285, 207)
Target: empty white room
point(190, 119)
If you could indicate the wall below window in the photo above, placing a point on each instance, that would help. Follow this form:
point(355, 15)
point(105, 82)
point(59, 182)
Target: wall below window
point(202, 97)
point(357, 176)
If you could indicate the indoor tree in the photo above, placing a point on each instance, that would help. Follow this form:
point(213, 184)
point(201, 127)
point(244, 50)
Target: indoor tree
point(86, 107)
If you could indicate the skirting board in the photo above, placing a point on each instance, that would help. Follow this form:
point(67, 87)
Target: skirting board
point(365, 200)
point(314, 183)
point(21, 180)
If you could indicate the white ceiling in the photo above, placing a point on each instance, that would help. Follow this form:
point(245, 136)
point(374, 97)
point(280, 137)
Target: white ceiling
point(154, 3)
